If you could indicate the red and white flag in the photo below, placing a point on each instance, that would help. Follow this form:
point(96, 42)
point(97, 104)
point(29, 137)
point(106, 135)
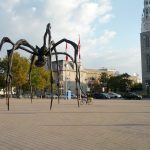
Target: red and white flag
point(66, 51)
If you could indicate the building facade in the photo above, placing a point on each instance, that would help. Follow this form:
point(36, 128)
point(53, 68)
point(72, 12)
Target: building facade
point(68, 75)
point(145, 46)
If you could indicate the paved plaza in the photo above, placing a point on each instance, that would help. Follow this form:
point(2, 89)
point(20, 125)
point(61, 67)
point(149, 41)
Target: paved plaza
point(103, 125)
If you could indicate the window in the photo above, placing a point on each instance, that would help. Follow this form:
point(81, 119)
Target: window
point(148, 63)
point(146, 41)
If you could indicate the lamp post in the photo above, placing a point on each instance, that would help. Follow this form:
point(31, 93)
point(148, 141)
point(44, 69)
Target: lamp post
point(147, 88)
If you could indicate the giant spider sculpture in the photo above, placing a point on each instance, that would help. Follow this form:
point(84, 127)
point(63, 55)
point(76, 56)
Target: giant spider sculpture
point(39, 56)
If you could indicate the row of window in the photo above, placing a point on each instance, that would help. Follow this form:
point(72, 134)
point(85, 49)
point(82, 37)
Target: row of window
point(146, 41)
point(148, 63)
point(146, 11)
point(147, 2)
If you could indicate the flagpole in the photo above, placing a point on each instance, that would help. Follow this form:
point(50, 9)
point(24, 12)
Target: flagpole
point(79, 61)
point(66, 78)
point(66, 72)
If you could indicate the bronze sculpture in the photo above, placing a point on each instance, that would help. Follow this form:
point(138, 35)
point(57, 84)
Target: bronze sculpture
point(41, 54)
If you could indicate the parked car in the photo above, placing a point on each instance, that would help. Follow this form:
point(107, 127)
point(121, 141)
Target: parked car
point(114, 95)
point(73, 96)
point(49, 95)
point(101, 96)
point(131, 95)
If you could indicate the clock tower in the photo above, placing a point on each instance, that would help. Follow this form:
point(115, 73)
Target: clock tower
point(145, 46)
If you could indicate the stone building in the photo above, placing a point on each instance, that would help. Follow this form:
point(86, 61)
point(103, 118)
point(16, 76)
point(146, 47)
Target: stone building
point(145, 45)
point(68, 75)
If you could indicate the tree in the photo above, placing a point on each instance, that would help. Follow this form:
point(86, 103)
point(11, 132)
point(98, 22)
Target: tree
point(96, 87)
point(39, 78)
point(19, 71)
point(2, 81)
point(3, 67)
point(121, 83)
point(113, 83)
point(136, 87)
point(20, 68)
point(103, 80)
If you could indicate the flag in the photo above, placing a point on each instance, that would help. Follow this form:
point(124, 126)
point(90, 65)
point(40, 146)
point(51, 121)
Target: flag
point(79, 48)
point(66, 51)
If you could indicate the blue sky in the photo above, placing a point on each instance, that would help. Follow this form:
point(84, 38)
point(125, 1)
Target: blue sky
point(109, 29)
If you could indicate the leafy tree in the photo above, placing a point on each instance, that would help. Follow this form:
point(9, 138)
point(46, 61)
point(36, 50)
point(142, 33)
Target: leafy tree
point(39, 78)
point(3, 64)
point(120, 83)
point(19, 71)
point(113, 83)
point(20, 67)
point(125, 82)
point(95, 87)
point(136, 87)
point(103, 80)
point(2, 74)
point(2, 81)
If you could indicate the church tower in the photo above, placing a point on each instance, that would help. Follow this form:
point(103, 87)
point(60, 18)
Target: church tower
point(145, 46)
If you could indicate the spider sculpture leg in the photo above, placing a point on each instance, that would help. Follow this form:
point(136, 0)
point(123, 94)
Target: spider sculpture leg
point(31, 64)
point(58, 73)
point(48, 33)
point(10, 59)
point(77, 73)
point(75, 46)
point(9, 76)
point(51, 80)
point(49, 54)
point(5, 40)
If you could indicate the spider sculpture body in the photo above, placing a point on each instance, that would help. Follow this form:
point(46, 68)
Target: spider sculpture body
point(45, 52)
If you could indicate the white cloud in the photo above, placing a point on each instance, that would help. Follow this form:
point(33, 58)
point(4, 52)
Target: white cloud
point(75, 16)
point(106, 18)
point(123, 60)
point(107, 37)
point(68, 18)
point(34, 9)
point(105, 7)
point(8, 5)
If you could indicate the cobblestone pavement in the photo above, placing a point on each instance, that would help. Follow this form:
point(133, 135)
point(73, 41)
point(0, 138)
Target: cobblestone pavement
point(103, 125)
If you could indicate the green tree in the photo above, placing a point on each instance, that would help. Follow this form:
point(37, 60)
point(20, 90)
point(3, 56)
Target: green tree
point(103, 80)
point(113, 83)
point(96, 87)
point(121, 83)
point(136, 87)
point(3, 66)
point(20, 67)
point(39, 78)
point(100, 83)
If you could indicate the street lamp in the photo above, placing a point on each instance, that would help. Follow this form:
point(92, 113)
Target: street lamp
point(147, 88)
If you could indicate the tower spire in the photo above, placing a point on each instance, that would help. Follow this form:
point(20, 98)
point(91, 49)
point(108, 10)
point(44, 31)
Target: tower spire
point(145, 26)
